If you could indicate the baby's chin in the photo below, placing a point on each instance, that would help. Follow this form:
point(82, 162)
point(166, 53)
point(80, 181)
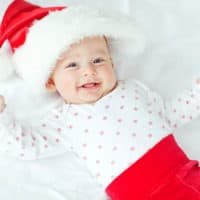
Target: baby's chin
point(82, 100)
point(89, 100)
point(86, 99)
point(92, 99)
point(95, 100)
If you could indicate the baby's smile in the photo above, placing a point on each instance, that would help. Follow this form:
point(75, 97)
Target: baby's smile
point(91, 85)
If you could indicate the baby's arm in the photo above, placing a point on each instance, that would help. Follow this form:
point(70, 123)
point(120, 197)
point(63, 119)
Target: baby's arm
point(183, 108)
point(29, 141)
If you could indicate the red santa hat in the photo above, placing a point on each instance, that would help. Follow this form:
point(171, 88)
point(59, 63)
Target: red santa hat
point(32, 37)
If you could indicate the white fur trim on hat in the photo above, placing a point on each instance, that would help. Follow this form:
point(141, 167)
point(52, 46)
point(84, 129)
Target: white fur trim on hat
point(52, 35)
point(6, 64)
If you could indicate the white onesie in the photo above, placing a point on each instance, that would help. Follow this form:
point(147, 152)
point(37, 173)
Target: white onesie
point(108, 135)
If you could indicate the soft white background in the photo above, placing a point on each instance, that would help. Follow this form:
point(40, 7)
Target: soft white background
point(168, 65)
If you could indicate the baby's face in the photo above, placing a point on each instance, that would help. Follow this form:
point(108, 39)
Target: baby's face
point(85, 72)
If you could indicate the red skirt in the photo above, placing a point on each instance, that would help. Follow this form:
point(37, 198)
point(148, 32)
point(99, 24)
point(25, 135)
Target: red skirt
point(163, 173)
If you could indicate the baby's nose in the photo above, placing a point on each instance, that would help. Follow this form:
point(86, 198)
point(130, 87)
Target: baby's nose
point(89, 70)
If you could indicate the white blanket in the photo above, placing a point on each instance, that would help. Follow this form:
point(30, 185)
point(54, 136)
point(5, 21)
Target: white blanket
point(168, 65)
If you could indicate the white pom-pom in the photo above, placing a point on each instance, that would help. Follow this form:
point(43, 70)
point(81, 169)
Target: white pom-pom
point(6, 63)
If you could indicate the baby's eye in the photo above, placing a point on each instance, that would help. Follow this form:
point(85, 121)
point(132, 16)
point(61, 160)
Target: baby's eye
point(71, 65)
point(98, 60)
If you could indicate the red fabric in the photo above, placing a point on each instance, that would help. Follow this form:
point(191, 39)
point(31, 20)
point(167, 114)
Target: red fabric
point(163, 173)
point(17, 19)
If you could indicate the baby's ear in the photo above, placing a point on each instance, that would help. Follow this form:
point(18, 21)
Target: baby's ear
point(50, 85)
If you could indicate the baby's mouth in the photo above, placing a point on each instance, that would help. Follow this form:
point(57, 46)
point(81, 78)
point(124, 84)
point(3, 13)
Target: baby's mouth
point(90, 85)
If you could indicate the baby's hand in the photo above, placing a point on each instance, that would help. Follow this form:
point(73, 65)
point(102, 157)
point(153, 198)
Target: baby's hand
point(198, 81)
point(2, 103)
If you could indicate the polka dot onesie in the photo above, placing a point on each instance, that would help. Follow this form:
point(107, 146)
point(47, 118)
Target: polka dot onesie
point(108, 135)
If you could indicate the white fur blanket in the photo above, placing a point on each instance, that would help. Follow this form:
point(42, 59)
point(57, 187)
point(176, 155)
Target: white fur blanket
point(168, 65)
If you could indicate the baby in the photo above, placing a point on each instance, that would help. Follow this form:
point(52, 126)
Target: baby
point(120, 129)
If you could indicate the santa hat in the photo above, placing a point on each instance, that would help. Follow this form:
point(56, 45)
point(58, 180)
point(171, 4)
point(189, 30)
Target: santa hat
point(32, 37)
